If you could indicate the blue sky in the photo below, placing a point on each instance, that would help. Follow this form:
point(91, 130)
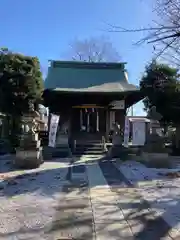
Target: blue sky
point(46, 28)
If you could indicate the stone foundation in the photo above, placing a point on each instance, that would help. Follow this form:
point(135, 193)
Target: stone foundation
point(62, 149)
point(157, 160)
point(118, 151)
point(115, 151)
point(151, 156)
point(29, 153)
point(28, 158)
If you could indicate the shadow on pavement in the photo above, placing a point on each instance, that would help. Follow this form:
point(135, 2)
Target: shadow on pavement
point(73, 213)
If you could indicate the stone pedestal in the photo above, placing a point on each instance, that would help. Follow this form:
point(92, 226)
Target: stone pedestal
point(62, 149)
point(116, 149)
point(154, 151)
point(154, 143)
point(154, 156)
point(29, 153)
point(157, 160)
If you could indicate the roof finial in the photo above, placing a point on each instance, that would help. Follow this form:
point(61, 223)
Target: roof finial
point(126, 76)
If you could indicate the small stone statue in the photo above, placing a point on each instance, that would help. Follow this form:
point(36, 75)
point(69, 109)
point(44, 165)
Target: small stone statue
point(153, 114)
point(116, 138)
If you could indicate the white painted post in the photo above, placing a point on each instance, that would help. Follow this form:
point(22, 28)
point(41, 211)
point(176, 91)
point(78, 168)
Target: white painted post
point(97, 121)
point(112, 119)
point(81, 119)
point(87, 122)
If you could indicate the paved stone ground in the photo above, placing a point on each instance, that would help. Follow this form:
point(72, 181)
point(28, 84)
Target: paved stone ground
point(144, 223)
point(89, 201)
point(74, 218)
point(119, 211)
point(108, 218)
point(46, 203)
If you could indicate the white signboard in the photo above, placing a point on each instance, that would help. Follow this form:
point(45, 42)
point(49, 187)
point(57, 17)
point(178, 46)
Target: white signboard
point(138, 133)
point(126, 132)
point(112, 119)
point(53, 130)
point(118, 104)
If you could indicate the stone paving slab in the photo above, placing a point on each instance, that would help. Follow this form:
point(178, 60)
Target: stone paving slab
point(73, 218)
point(74, 209)
point(73, 192)
point(107, 214)
point(113, 231)
point(144, 223)
point(108, 218)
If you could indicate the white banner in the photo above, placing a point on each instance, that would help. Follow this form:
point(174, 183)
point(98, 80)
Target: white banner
point(53, 130)
point(138, 133)
point(126, 132)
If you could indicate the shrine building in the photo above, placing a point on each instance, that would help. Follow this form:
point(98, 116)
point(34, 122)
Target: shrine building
point(89, 97)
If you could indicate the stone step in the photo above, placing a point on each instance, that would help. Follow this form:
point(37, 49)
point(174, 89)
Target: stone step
point(89, 145)
point(89, 148)
point(89, 153)
point(85, 142)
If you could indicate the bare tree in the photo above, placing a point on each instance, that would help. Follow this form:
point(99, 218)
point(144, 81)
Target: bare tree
point(98, 49)
point(164, 33)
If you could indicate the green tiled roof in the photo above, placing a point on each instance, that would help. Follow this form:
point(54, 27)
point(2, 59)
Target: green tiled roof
point(106, 87)
point(83, 76)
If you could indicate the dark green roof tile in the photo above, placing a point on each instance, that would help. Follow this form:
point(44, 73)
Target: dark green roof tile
point(83, 76)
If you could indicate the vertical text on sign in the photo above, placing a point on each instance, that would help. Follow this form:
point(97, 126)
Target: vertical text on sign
point(126, 132)
point(53, 130)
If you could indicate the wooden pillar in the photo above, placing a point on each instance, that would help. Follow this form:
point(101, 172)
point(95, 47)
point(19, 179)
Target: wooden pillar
point(107, 123)
point(81, 119)
point(88, 122)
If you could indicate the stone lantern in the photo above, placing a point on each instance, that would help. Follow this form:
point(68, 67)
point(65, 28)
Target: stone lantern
point(29, 152)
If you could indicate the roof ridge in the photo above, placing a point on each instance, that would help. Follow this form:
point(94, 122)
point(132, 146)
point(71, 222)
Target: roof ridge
point(80, 64)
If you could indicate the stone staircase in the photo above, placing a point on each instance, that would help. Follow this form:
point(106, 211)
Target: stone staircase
point(93, 147)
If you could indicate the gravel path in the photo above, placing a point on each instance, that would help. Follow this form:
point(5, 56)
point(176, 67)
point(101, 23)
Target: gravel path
point(29, 199)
